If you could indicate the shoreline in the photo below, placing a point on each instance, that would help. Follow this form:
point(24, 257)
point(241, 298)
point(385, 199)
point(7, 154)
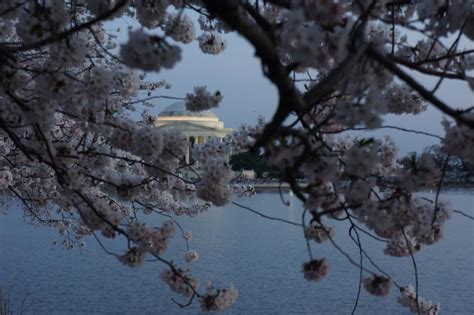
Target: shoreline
point(286, 186)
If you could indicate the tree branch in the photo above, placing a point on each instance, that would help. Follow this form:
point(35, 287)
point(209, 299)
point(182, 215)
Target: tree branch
point(427, 95)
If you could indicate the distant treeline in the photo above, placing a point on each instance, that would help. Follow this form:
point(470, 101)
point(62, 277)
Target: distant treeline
point(248, 161)
point(456, 171)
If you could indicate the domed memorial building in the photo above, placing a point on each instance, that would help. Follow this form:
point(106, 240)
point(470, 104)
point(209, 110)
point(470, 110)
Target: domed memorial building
point(197, 126)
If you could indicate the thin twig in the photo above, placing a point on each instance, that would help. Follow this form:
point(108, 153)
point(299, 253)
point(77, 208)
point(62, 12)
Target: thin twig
point(464, 214)
point(360, 269)
point(414, 267)
point(265, 216)
point(438, 190)
point(308, 245)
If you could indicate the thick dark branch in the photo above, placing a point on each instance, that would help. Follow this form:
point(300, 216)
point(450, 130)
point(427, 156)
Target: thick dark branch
point(26, 151)
point(424, 70)
point(427, 95)
point(234, 15)
point(261, 21)
point(287, 4)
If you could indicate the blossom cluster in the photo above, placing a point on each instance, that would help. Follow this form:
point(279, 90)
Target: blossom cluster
point(187, 235)
point(101, 216)
point(315, 269)
point(149, 53)
point(151, 13)
point(377, 285)
point(218, 299)
point(179, 281)
point(422, 173)
point(164, 201)
point(212, 43)
point(401, 100)
point(191, 256)
point(213, 186)
point(180, 28)
point(407, 223)
point(6, 178)
point(213, 25)
point(367, 113)
point(201, 99)
point(319, 232)
point(459, 140)
point(134, 257)
point(408, 298)
point(38, 22)
point(152, 240)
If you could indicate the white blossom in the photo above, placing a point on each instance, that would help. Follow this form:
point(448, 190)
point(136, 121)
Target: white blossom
point(219, 299)
point(41, 20)
point(377, 285)
point(191, 256)
point(99, 7)
point(201, 99)
point(408, 298)
point(212, 43)
point(213, 186)
point(459, 140)
point(179, 281)
point(148, 52)
point(134, 257)
point(150, 13)
point(187, 235)
point(6, 178)
point(180, 28)
point(319, 232)
point(152, 240)
point(315, 269)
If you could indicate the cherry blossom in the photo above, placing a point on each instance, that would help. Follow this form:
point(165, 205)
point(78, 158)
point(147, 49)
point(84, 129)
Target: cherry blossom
point(218, 299)
point(201, 99)
point(377, 285)
point(316, 269)
point(408, 298)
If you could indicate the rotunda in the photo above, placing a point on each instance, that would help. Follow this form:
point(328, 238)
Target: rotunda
point(196, 126)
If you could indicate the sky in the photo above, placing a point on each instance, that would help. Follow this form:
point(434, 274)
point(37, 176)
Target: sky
point(237, 74)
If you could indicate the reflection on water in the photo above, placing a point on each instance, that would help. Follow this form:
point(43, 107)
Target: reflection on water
point(262, 258)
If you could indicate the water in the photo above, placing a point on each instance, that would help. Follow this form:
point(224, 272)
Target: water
point(262, 258)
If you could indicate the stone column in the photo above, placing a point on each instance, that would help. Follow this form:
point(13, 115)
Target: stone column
point(188, 154)
point(188, 150)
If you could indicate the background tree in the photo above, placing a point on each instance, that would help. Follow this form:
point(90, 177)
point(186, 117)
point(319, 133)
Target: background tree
point(456, 170)
point(256, 162)
point(77, 161)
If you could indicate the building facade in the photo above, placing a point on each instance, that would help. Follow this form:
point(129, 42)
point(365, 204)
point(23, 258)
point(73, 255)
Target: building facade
point(198, 127)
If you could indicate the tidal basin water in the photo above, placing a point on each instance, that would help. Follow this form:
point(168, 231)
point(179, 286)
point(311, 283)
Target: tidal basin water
point(261, 258)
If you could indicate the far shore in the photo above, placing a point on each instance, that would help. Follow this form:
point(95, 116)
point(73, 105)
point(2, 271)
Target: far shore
point(285, 186)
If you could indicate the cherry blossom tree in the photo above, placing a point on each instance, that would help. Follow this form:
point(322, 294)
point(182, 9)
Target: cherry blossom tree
point(77, 158)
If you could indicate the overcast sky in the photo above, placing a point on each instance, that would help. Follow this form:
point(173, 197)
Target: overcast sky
point(247, 93)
